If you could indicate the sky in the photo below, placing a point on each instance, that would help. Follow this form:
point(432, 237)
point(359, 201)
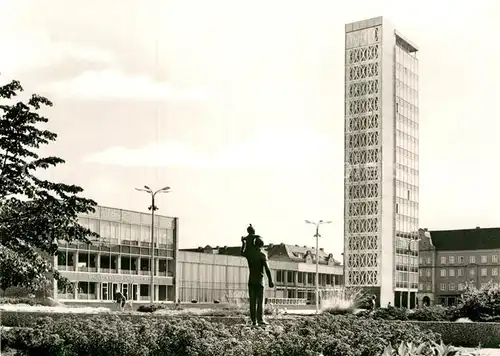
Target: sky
point(238, 107)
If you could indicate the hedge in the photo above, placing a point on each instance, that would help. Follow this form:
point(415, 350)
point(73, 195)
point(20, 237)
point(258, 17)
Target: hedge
point(145, 335)
point(464, 334)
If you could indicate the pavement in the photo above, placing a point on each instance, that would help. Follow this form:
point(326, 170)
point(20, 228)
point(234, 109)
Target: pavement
point(484, 352)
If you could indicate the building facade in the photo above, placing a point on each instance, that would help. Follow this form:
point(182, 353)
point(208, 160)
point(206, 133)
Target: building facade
point(451, 259)
point(381, 162)
point(120, 259)
point(206, 274)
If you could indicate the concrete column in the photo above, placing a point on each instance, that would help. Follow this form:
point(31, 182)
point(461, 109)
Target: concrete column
point(75, 261)
point(118, 263)
point(98, 293)
point(98, 262)
point(157, 267)
point(138, 265)
point(157, 292)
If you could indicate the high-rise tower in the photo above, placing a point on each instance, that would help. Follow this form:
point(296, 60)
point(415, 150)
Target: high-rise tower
point(381, 162)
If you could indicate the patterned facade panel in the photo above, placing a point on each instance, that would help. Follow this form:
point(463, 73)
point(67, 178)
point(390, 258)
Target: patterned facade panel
point(363, 225)
point(365, 105)
point(368, 87)
point(362, 278)
point(362, 174)
point(365, 122)
point(363, 191)
point(362, 140)
point(362, 242)
point(363, 156)
point(363, 208)
point(363, 71)
point(371, 155)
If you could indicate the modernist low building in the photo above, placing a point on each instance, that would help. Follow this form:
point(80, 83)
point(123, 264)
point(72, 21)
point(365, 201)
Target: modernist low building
point(449, 259)
point(210, 273)
point(120, 259)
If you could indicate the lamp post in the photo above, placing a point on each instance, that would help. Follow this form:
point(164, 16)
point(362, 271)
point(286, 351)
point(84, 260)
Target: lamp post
point(317, 236)
point(153, 208)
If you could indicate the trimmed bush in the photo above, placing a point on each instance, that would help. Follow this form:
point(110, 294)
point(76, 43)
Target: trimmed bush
point(114, 335)
point(19, 300)
point(464, 334)
point(432, 313)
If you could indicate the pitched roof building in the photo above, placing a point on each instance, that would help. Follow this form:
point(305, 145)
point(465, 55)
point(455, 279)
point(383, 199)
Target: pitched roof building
point(280, 252)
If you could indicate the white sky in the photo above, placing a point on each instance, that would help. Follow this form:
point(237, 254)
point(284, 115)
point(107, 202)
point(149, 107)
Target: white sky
point(238, 106)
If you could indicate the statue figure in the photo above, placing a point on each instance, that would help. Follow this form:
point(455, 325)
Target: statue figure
point(251, 248)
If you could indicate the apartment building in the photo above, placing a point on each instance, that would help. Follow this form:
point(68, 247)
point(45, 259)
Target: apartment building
point(449, 259)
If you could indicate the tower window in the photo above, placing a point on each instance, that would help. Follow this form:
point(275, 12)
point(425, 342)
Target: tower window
point(397, 208)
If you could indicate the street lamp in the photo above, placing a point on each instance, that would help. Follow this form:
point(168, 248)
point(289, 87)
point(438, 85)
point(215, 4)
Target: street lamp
point(153, 208)
point(317, 236)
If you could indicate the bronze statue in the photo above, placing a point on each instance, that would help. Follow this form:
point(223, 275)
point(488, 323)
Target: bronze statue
point(251, 248)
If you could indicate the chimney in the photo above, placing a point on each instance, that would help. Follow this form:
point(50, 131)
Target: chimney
point(321, 249)
point(478, 227)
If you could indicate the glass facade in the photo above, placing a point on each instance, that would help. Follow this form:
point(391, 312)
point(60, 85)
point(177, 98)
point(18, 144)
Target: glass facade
point(407, 168)
point(120, 259)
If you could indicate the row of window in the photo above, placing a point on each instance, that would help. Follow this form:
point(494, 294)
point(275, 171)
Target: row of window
point(305, 277)
point(459, 272)
point(461, 259)
point(114, 231)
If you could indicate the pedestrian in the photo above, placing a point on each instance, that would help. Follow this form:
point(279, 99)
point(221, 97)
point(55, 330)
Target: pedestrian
point(373, 302)
point(258, 265)
point(120, 300)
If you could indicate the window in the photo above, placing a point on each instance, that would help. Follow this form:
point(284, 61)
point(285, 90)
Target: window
point(484, 272)
point(443, 272)
point(484, 259)
point(421, 286)
point(472, 259)
point(451, 259)
point(460, 272)
point(397, 208)
point(280, 276)
point(451, 286)
point(428, 260)
point(494, 259)
point(420, 272)
point(460, 259)
point(104, 229)
point(421, 261)
point(472, 272)
point(428, 272)
point(443, 286)
point(451, 272)
point(300, 277)
point(443, 260)
point(461, 286)
point(494, 271)
point(428, 286)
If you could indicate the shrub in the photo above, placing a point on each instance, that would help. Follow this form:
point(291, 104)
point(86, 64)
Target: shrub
point(389, 313)
point(480, 304)
point(432, 313)
point(140, 335)
point(19, 300)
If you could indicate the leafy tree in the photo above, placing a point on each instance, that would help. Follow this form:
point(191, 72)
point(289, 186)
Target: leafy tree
point(34, 213)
